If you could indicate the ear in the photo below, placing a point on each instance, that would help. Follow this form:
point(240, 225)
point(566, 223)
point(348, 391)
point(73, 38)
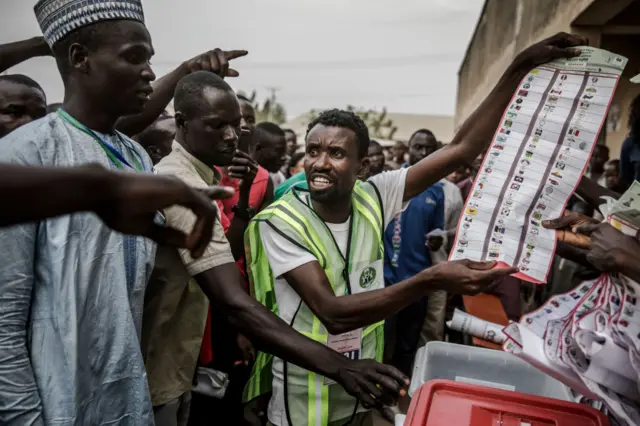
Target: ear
point(79, 58)
point(365, 166)
point(181, 122)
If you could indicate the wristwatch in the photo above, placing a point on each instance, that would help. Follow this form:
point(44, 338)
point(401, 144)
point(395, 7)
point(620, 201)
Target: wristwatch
point(245, 213)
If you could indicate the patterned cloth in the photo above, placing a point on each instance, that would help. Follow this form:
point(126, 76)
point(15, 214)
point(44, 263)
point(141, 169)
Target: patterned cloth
point(57, 18)
point(71, 300)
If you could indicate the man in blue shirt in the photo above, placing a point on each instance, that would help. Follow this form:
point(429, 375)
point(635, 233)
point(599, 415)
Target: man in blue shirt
point(406, 253)
point(630, 152)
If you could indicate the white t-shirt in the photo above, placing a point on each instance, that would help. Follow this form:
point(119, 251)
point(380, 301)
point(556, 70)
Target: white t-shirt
point(285, 256)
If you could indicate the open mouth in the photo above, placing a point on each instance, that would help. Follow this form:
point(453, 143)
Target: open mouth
point(319, 182)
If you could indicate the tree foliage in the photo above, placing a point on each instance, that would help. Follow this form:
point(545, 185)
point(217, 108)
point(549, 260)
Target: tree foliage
point(269, 110)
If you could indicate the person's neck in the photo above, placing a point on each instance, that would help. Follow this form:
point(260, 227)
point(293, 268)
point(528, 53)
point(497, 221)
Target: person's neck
point(89, 113)
point(333, 212)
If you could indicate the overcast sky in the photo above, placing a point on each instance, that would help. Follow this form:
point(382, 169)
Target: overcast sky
point(402, 54)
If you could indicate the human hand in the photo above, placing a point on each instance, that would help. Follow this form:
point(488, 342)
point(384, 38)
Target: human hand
point(566, 228)
point(435, 239)
point(216, 61)
point(243, 167)
point(375, 385)
point(465, 276)
point(610, 249)
point(560, 45)
point(247, 349)
point(132, 200)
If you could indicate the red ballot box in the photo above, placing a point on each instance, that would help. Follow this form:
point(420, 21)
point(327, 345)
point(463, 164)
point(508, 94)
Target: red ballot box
point(447, 403)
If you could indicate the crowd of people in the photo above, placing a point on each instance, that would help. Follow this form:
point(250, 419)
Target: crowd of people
point(251, 279)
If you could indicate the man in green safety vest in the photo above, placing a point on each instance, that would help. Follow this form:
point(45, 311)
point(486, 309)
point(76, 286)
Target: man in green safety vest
point(315, 257)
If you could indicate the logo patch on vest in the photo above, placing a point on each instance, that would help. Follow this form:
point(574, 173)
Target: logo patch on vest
point(367, 277)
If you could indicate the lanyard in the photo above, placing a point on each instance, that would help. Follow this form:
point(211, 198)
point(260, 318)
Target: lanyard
point(114, 155)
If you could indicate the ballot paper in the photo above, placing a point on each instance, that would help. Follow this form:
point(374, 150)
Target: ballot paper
point(537, 156)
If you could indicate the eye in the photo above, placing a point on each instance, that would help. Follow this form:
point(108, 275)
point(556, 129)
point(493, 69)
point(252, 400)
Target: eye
point(337, 153)
point(312, 151)
point(14, 110)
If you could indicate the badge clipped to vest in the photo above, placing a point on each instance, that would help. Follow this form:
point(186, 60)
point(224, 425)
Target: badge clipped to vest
point(367, 278)
point(348, 344)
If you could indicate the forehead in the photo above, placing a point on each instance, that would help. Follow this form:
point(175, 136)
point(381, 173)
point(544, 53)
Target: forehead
point(220, 102)
point(422, 138)
point(16, 92)
point(124, 33)
point(332, 135)
point(374, 149)
point(271, 139)
point(246, 107)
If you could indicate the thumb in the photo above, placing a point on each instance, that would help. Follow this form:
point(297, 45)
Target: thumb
point(558, 223)
point(217, 192)
point(233, 54)
point(555, 52)
point(480, 266)
point(232, 73)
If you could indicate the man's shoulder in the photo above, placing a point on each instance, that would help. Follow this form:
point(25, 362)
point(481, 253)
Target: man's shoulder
point(25, 141)
point(176, 165)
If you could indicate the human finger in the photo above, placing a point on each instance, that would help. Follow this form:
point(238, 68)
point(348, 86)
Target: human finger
point(563, 39)
point(494, 274)
point(480, 266)
point(394, 374)
point(216, 192)
point(564, 221)
point(233, 54)
point(587, 228)
point(240, 161)
point(222, 61)
point(570, 52)
point(242, 154)
point(363, 396)
point(370, 388)
point(574, 239)
point(232, 73)
point(238, 170)
point(386, 383)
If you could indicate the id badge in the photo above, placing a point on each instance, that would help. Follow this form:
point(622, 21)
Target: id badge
point(367, 278)
point(348, 344)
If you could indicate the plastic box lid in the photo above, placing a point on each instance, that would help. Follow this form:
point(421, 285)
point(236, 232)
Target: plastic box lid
point(447, 403)
point(486, 367)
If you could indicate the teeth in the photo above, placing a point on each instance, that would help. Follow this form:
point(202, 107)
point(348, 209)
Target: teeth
point(320, 180)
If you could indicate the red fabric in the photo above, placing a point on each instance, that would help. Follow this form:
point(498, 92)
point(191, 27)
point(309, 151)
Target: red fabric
point(256, 198)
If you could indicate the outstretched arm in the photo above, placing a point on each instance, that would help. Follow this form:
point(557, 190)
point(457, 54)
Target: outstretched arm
point(477, 131)
point(346, 313)
point(216, 61)
point(223, 287)
point(126, 202)
point(12, 54)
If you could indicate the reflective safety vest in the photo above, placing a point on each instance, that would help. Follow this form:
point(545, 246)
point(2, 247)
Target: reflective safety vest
point(311, 399)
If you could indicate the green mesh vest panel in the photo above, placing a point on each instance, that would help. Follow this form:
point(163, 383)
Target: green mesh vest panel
point(309, 401)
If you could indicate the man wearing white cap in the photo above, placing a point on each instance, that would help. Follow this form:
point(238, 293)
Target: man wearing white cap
point(71, 289)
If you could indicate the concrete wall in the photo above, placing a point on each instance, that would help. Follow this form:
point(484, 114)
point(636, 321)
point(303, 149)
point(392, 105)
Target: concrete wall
point(505, 28)
point(626, 45)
